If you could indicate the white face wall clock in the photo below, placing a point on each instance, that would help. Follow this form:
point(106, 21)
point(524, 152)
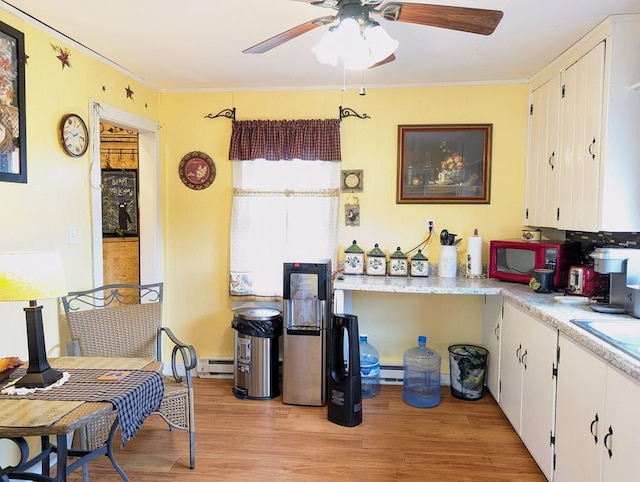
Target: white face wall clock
point(74, 135)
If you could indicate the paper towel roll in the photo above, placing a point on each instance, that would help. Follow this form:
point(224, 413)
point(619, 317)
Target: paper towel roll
point(474, 255)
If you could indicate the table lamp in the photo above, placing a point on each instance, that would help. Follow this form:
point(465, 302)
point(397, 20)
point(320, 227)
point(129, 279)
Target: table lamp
point(29, 276)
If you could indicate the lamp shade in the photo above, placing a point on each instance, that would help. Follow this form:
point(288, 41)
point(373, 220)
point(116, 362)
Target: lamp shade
point(28, 276)
point(380, 43)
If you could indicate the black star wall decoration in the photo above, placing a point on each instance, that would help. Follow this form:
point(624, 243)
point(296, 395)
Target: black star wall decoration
point(129, 92)
point(63, 55)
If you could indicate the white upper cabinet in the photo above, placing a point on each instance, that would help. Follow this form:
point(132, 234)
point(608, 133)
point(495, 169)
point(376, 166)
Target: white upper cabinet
point(543, 159)
point(581, 163)
point(592, 139)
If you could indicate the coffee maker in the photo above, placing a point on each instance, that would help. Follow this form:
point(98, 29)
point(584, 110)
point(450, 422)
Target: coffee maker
point(623, 266)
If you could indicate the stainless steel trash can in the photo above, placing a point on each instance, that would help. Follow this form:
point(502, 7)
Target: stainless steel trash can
point(256, 371)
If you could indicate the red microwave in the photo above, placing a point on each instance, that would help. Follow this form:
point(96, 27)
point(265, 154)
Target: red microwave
point(515, 260)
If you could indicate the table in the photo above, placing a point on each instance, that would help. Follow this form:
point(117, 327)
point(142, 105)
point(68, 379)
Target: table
point(58, 415)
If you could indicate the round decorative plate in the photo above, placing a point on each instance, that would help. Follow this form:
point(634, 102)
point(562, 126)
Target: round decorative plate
point(197, 170)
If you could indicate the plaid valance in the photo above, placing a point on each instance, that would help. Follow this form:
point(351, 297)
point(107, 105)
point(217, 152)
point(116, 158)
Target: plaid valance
point(274, 140)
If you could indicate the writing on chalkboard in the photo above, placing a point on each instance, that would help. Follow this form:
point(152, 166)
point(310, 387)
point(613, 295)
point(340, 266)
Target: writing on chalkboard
point(119, 202)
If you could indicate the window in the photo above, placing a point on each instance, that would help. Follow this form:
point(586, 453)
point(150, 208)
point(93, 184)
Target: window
point(283, 211)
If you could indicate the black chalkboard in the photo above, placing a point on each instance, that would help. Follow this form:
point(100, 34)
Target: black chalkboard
point(119, 202)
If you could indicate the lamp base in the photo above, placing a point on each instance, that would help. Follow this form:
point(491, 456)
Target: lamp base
point(39, 380)
point(39, 373)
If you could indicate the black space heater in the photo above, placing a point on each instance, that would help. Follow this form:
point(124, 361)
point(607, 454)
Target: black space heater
point(345, 395)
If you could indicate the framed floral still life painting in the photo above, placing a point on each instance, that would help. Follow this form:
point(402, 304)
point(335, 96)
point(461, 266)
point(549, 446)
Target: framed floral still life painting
point(13, 145)
point(444, 164)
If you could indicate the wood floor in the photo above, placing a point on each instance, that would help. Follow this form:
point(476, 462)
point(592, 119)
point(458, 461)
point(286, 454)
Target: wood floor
point(245, 440)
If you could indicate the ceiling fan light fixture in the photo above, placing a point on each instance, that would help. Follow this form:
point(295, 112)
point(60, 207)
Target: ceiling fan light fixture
point(359, 48)
point(380, 43)
point(326, 51)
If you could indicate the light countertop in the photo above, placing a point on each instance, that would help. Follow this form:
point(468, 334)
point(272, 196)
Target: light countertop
point(542, 306)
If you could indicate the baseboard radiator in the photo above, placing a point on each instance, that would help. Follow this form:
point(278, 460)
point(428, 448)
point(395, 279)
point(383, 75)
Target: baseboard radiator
point(223, 368)
point(215, 368)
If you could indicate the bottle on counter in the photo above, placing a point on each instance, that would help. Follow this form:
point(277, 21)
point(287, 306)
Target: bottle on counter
point(369, 368)
point(421, 385)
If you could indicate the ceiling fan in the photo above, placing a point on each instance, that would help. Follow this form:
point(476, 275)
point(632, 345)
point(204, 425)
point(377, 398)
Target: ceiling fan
point(472, 20)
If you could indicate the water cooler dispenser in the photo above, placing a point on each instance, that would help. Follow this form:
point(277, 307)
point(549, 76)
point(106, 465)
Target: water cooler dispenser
point(306, 317)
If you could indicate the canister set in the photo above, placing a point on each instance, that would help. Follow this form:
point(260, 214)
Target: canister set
point(399, 263)
point(376, 264)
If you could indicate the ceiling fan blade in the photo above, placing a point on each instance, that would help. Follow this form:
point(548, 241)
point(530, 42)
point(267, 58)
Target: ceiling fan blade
point(473, 20)
point(390, 58)
point(321, 3)
point(290, 34)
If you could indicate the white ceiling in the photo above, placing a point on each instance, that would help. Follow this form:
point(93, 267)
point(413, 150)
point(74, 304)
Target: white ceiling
point(196, 45)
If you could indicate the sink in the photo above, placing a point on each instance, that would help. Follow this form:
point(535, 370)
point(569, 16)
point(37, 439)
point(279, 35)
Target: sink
point(624, 335)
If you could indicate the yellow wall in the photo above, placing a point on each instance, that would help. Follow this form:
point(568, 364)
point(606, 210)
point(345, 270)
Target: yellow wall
point(36, 215)
point(197, 222)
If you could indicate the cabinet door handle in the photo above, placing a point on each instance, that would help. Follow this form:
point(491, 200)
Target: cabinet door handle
point(524, 359)
point(553, 154)
point(495, 331)
point(594, 422)
point(593, 156)
point(518, 353)
point(607, 445)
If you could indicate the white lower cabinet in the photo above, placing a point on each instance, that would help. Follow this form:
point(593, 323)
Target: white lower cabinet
point(579, 413)
point(597, 425)
point(492, 315)
point(528, 357)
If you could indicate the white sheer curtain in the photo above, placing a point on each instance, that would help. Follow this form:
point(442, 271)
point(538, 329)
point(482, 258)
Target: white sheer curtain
point(283, 211)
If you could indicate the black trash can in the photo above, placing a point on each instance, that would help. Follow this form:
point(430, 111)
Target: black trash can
point(467, 366)
point(256, 373)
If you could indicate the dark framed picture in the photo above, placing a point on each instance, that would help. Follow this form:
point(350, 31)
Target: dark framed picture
point(119, 202)
point(444, 164)
point(13, 135)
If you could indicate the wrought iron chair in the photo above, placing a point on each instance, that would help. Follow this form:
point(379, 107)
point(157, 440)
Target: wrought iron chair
point(124, 320)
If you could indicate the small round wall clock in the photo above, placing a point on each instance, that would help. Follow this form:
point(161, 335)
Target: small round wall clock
point(197, 170)
point(74, 135)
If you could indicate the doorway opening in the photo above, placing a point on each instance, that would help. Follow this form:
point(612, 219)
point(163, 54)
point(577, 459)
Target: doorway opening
point(148, 228)
point(120, 214)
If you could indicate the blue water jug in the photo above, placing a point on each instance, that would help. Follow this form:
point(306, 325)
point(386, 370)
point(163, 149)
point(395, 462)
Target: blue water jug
point(421, 385)
point(369, 368)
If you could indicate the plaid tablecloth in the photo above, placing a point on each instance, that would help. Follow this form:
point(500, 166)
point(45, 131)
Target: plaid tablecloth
point(135, 396)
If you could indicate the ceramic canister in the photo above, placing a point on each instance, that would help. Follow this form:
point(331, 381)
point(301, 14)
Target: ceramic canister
point(353, 259)
point(376, 262)
point(398, 264)
point(448, 262)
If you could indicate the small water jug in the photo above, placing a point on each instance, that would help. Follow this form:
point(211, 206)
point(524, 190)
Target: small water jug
point(369, 368)
point(421, 386)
